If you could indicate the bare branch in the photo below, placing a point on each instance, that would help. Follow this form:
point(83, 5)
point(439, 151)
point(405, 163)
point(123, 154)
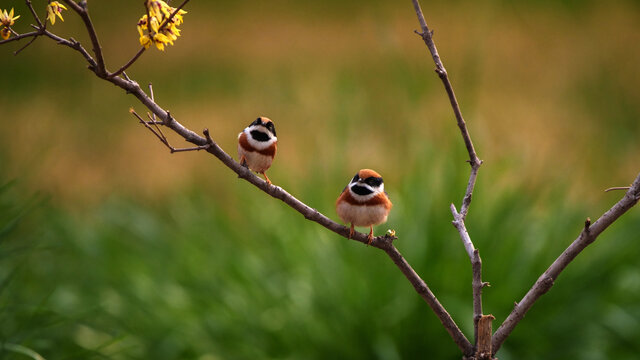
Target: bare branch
point(424, 291)
point(35, 15)
point(26, 45)
point(474, 161)
point(72, 43)
point(476, 268)
point(21, 36)
point(546, 280)
point(158, 133)
point(83, 11)
point(129, 63)
point(477, 285)
point(458, 222)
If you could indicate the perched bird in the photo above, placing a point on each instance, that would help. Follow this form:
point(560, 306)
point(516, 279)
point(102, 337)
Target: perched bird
point(257, 145)
point(364, 202)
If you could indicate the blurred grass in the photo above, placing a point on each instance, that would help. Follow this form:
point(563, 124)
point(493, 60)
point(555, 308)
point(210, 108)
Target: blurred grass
point(128, 252)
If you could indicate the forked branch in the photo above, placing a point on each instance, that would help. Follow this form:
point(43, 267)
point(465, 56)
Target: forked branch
point(474, 161)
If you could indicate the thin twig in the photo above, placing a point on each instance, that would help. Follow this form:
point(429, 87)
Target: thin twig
point(476, 269)
point(26, 45)
point(35, 14)
point(155, 125)
point(72, 43)
point(21, 36)
point(40, 28)
point(83, 11)
point(129, 63)
point(175, 11)
point(153, 98)
point(160, 135)
point(162, 138)
point(588, 235)
point(474, 161)
point(617, 188)
point(458, 222)
point(476, 286)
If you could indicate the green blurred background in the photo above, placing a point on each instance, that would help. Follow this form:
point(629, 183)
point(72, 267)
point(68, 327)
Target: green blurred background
point(111, 247)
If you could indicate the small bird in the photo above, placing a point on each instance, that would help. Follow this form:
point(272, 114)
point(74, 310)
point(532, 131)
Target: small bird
point(257, 145)
point(364, 202)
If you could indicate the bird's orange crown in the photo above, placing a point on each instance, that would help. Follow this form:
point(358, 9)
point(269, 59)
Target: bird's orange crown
point(365, 173)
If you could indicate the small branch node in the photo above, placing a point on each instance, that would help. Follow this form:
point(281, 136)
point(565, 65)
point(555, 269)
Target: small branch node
point(205, 132)
point(385, 241)
point(546, 283)
point(486, 284)
point(168, 120)
point(454, 211)
point(587, 223)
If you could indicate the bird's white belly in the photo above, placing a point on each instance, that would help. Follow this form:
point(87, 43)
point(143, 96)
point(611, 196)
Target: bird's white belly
point(360, 215)
point(255, 161)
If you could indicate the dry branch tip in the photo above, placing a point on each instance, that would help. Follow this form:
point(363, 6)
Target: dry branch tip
point(207, 136)
point(618, 188)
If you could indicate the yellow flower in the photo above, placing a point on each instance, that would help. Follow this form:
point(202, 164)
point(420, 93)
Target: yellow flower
point(155, 25)
point(154, 28)
point(5, 33)
point(7, 19)
point(55, 8)
point(142, 24)
point(145, 41)
point(160, 40)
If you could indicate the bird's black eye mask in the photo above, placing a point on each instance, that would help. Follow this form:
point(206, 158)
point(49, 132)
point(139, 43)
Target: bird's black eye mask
point(373, 181)
point(271, 128)
point(361, 190)
point(355, 178)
